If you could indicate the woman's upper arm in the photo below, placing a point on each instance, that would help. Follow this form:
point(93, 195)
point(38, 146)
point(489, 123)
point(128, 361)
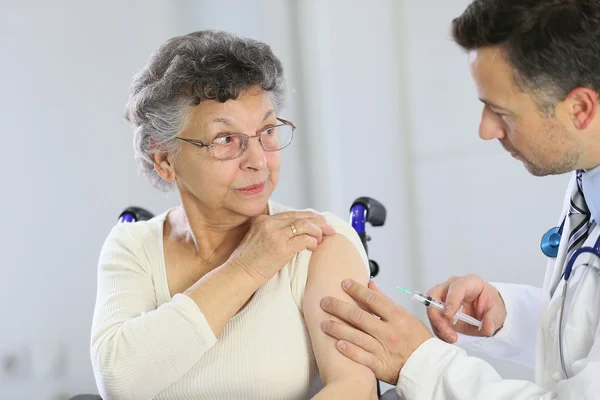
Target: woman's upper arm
point(338, 257)
point(132, 336)
point(125, 289)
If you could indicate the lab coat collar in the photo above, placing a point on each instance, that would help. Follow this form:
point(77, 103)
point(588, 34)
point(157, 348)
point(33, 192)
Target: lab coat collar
point(591, 191)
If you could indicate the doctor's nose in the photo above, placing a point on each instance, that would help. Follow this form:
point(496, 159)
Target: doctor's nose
point(490, 127)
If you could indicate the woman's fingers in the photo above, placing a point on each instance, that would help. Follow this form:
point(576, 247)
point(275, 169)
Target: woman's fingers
point(301, 242)
point(299, 218)
point(306, 227)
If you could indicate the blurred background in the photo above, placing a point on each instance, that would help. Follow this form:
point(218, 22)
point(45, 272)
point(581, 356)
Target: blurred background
point(384, 106)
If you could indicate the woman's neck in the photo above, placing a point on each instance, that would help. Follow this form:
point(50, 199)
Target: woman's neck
point(212, 237)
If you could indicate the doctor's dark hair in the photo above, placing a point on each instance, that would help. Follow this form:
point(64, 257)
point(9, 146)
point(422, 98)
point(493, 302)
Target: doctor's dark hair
point(553, 45)
point(183, 72)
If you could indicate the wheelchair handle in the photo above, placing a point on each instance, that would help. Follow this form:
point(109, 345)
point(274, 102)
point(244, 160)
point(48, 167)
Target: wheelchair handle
point(134, 214)
point(375, 211)
point(358, 219)
point(363, 210)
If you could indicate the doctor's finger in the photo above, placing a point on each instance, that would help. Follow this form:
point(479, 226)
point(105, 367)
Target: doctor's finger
point(440, 291)
point(359, 355)
point(354, 315)
point(377, 303)
point(488, 327)
point(463, 290)
point(373, 286)
point(349, 334)
point(441, 326)
point(492, 321)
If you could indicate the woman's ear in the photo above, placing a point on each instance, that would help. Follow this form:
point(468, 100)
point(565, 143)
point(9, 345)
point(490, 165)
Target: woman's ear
point(164, 166)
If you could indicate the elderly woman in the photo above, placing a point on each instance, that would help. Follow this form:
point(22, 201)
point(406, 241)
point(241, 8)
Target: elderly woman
point(219, 298)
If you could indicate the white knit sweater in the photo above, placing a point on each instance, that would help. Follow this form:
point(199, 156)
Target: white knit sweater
point(146, 344)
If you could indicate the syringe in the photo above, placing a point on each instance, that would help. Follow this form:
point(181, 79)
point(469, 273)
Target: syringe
point(430, 302)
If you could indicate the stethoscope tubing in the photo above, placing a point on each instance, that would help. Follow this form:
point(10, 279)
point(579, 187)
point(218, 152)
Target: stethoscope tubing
point(549, 246)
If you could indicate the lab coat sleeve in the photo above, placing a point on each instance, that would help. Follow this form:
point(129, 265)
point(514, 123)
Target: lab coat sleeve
point(516, 340)
point(439, 371)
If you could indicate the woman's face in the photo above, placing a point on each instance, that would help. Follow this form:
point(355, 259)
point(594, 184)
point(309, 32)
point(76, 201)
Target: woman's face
point(242, 185)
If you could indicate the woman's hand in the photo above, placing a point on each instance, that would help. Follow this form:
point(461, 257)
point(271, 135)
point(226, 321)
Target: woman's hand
point(273, 240)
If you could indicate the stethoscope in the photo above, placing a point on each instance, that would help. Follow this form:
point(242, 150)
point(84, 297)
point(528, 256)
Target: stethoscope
point(549, 245)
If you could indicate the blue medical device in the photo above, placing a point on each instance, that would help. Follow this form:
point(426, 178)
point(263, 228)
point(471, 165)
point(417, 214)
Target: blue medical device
point(551, 240)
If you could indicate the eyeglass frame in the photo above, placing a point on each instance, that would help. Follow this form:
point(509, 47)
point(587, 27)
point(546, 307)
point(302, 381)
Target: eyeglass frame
point(201, 144)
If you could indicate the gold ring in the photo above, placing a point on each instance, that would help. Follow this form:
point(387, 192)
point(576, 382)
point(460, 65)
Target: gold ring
point(294, 231)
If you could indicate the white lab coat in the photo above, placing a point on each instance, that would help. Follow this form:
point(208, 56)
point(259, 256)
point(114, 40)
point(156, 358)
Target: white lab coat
point(438, 370)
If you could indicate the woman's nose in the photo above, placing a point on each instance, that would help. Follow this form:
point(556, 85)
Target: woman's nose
point(254, 156)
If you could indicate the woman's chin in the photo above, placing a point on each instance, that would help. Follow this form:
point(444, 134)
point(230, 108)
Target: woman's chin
point(253, 206)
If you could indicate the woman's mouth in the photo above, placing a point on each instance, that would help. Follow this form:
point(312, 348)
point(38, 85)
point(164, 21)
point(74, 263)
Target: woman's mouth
point(253, 189)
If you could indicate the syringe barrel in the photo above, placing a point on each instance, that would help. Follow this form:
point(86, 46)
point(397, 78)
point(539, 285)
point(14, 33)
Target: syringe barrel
point(428, 301)
point(468, 319)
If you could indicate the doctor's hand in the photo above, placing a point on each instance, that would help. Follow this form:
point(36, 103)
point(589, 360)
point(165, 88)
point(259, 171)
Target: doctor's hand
point(383, 344)
point(478, 298)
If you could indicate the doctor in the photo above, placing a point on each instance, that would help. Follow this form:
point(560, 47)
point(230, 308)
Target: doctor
point(536, 66)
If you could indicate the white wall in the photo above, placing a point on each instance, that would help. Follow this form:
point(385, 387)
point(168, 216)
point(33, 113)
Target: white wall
point(65, 71)
point(382, 100)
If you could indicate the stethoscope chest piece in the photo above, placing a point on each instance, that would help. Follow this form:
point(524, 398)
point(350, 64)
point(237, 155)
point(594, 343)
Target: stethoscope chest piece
point(550, 242)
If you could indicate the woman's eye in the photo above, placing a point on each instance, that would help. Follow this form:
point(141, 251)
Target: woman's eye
point(223, 140)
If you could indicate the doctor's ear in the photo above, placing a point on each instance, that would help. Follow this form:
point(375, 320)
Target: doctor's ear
point(164, 166)
point(583, 104)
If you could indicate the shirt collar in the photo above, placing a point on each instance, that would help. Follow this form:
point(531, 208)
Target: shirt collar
point(591, 191)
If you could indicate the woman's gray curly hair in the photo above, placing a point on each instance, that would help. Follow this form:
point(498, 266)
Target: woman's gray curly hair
point(204, 65)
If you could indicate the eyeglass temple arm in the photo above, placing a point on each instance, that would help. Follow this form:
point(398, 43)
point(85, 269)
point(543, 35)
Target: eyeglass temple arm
point(195, 142)
point(287, 122)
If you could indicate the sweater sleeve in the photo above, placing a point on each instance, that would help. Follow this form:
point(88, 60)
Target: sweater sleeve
point(139, 348)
